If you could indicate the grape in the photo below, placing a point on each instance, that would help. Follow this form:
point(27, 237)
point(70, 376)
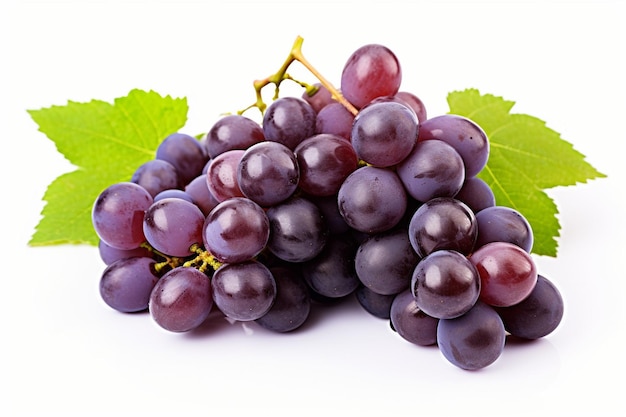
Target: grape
point(443, 223)
point(185, 153)
point(198, 189)
point(410, 322)
point(507, 273)
point(232, 132)
point(371, 71)
point(464, 135)
point(414, 103)
point(236, 230)
point(221, 175)
point(268, 173)
point(173, 225)
point(181, 300)
point(477, 194)
point(244, 291)
point(126, 284)
point(298, 231)
point(330, 212)
point(331, 273)
point(474, 340)
point(537, 315)
point(335, 119)
point(117, 215)
point(433, 169)
point(325, 161)
point(372, 200)
point(156, 176)
point(173, 193)
point(320, 99)
point(292, 305)
point(504, 224)
point(385, 262)
point(289, 120)
point(109, 254)
point(445, 284)
point(378, 305)
point(383, 134)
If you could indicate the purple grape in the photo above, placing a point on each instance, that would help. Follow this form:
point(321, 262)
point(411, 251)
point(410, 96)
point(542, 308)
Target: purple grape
point(109, 254)
point(320, 99)
point(385, 262)
point(185, 153)
point(289, 120)
point(433, 169)
point(384, 134)
point(181, 300)
point(445, 284)
point(298, 231)
point(126, 284)
point(371, 71)
point(172, 226)
point(443, 223)
point(474, 340)
point(232, 132)
point(334, 119)
point(477, 194)
point(372, 200)
point(414, 102)
point(330, 212)
point(236, 230)
point(244, 291)
point(292, 305)
point(504, 224)
point(198, 189)
point(378, 305)
point(463, 134)
point(325, 161)
point(117, 215)
point(221, 175)
point(155, 176)
point(410, 322)
point(537, 315)
point(173, 193)
point(268, 173)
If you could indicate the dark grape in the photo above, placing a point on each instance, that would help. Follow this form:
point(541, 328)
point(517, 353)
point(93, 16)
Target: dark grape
point(198, 189)
point(126, 284)
point(378, 305)
point(410, 322)
point(477, 194)
point(504, 224)
point(185, 153)
point(155, 176)
point(221, 175)
point(109, 254)
point(232, 132)
point(289, 120)
point(334, 119)
point(320, 99)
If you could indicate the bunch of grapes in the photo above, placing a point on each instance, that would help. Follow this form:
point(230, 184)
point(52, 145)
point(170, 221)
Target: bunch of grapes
point(324, 201)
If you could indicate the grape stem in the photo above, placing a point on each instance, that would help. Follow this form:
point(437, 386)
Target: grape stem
point(277, 78)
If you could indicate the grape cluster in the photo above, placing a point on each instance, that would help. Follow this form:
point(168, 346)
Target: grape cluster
point(263, 221)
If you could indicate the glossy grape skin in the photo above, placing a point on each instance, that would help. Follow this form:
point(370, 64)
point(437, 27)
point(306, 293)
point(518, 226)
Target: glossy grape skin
point(383, 134)
point(298, 231)
point(477, 194)
point(507, 273)
point(117, 215)
point(330, 211)
point(325, 161)
point(173, 225)
point(371, 71)
point(385, 262)
point(268, 173)
point(463, 134)
point(410, 322)
point(126, 284)
point(109, 254)
point(443, 223)
point(378, 305)
point(504, 224)
point(292, 305)
point(236, 230)
point(198, 189)
point(334, 119)
point(244, 291)
point(185, 153)
point(232, 132)
point(537, 315)
point(445, 284)
point(173, 193)
point(289, 120)
point(155, 176)
point(221, 175)
point(432, 169)
point(474, 340)
point(181, 300)
point(414, 102)
point(331, 274)
point(320, 99)
point(372, 200)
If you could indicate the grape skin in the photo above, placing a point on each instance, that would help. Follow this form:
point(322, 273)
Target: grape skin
point(232, 132)
point(126, 284)
point(410, 322)
point(289, 120)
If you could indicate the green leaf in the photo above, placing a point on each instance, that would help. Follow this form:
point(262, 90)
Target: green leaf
point(107, 143)
point(526, 157)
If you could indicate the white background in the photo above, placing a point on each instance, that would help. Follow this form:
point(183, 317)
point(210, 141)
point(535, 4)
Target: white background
point(67, 354)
